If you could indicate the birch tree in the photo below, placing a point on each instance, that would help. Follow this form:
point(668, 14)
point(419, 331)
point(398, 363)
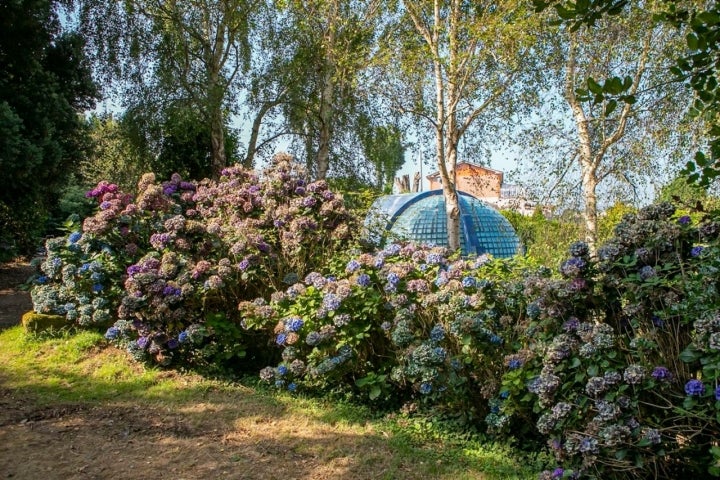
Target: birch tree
point(613, 108)
point(459, 64)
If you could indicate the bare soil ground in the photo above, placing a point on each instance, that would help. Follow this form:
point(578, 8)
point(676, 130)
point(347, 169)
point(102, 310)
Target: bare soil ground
point(13, 301)
point(219, 437)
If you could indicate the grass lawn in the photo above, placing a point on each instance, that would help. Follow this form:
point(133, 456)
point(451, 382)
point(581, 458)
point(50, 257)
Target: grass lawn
point(90, 412)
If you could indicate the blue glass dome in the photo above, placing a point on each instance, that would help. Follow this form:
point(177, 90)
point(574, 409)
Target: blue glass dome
point(421, 217)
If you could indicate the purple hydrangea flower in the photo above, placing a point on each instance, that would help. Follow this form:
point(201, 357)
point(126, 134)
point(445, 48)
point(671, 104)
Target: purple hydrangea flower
point(696, 251)
point(172, 344)
point(717, 393)
point(143, 342)
point(695, 388)
point(684, 220)
point(661, 373)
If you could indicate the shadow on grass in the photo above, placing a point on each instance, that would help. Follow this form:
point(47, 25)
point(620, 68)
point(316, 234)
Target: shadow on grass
point(130, 422)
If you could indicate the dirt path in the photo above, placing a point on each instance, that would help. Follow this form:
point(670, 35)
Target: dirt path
point(13, 301)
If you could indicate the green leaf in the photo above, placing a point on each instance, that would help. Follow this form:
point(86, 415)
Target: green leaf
point(689, 355)
point(610, 107)
point(692, 41)
point(375, 392)
point(593, 86)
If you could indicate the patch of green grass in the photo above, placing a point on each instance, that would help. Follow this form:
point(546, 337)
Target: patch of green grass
point(81, 367)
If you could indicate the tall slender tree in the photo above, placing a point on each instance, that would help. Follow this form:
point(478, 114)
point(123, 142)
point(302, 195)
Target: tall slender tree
point(616, 112)
point(458, 62)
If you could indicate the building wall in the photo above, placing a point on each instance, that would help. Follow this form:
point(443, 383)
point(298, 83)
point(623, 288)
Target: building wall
point(476, 181)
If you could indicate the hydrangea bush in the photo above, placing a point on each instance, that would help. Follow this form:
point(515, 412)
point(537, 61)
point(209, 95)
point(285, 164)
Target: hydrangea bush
point(407, 322)
point(610, 360)
point(620, 378)
point(183, 254)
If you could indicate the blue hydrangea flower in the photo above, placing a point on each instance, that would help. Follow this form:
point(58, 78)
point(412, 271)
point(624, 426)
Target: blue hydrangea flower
point(695, 388)
point(647, 272)
point(696, 251)
point(579, 249)
point(433, 259)
point(469, 282)
point(533, 311)
point(183, 337)
point(331, 302)
point(495, 339)
point(717, 393)
point(425, 388)
point(363, 280)
point(42, 280)
point(97, 287)
point(74, 237)
point(294, 324)
point(352, 266)
point(437, 333)
point(292, 386)
point(393, 278)
point(280, 339)
point(514, 364)
point(282, 370)
point(112, 333)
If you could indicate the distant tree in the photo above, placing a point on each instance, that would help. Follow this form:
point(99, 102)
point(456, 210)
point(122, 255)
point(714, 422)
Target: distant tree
point(45, 84)
point(166, 54)
point(384, 150)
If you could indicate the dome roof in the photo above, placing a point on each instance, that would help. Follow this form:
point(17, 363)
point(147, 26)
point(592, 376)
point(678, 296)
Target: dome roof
point(421, 217)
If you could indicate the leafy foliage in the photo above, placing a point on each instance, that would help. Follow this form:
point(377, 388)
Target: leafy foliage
point(44, 83)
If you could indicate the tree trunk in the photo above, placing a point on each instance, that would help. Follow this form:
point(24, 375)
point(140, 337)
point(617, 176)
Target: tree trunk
point(323, 154)
point(327, 95)
point(589, 187)
point(452, 202)
point(217, 141)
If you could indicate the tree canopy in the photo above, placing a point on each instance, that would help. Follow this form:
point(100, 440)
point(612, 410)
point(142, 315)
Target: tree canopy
point(45, 84)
